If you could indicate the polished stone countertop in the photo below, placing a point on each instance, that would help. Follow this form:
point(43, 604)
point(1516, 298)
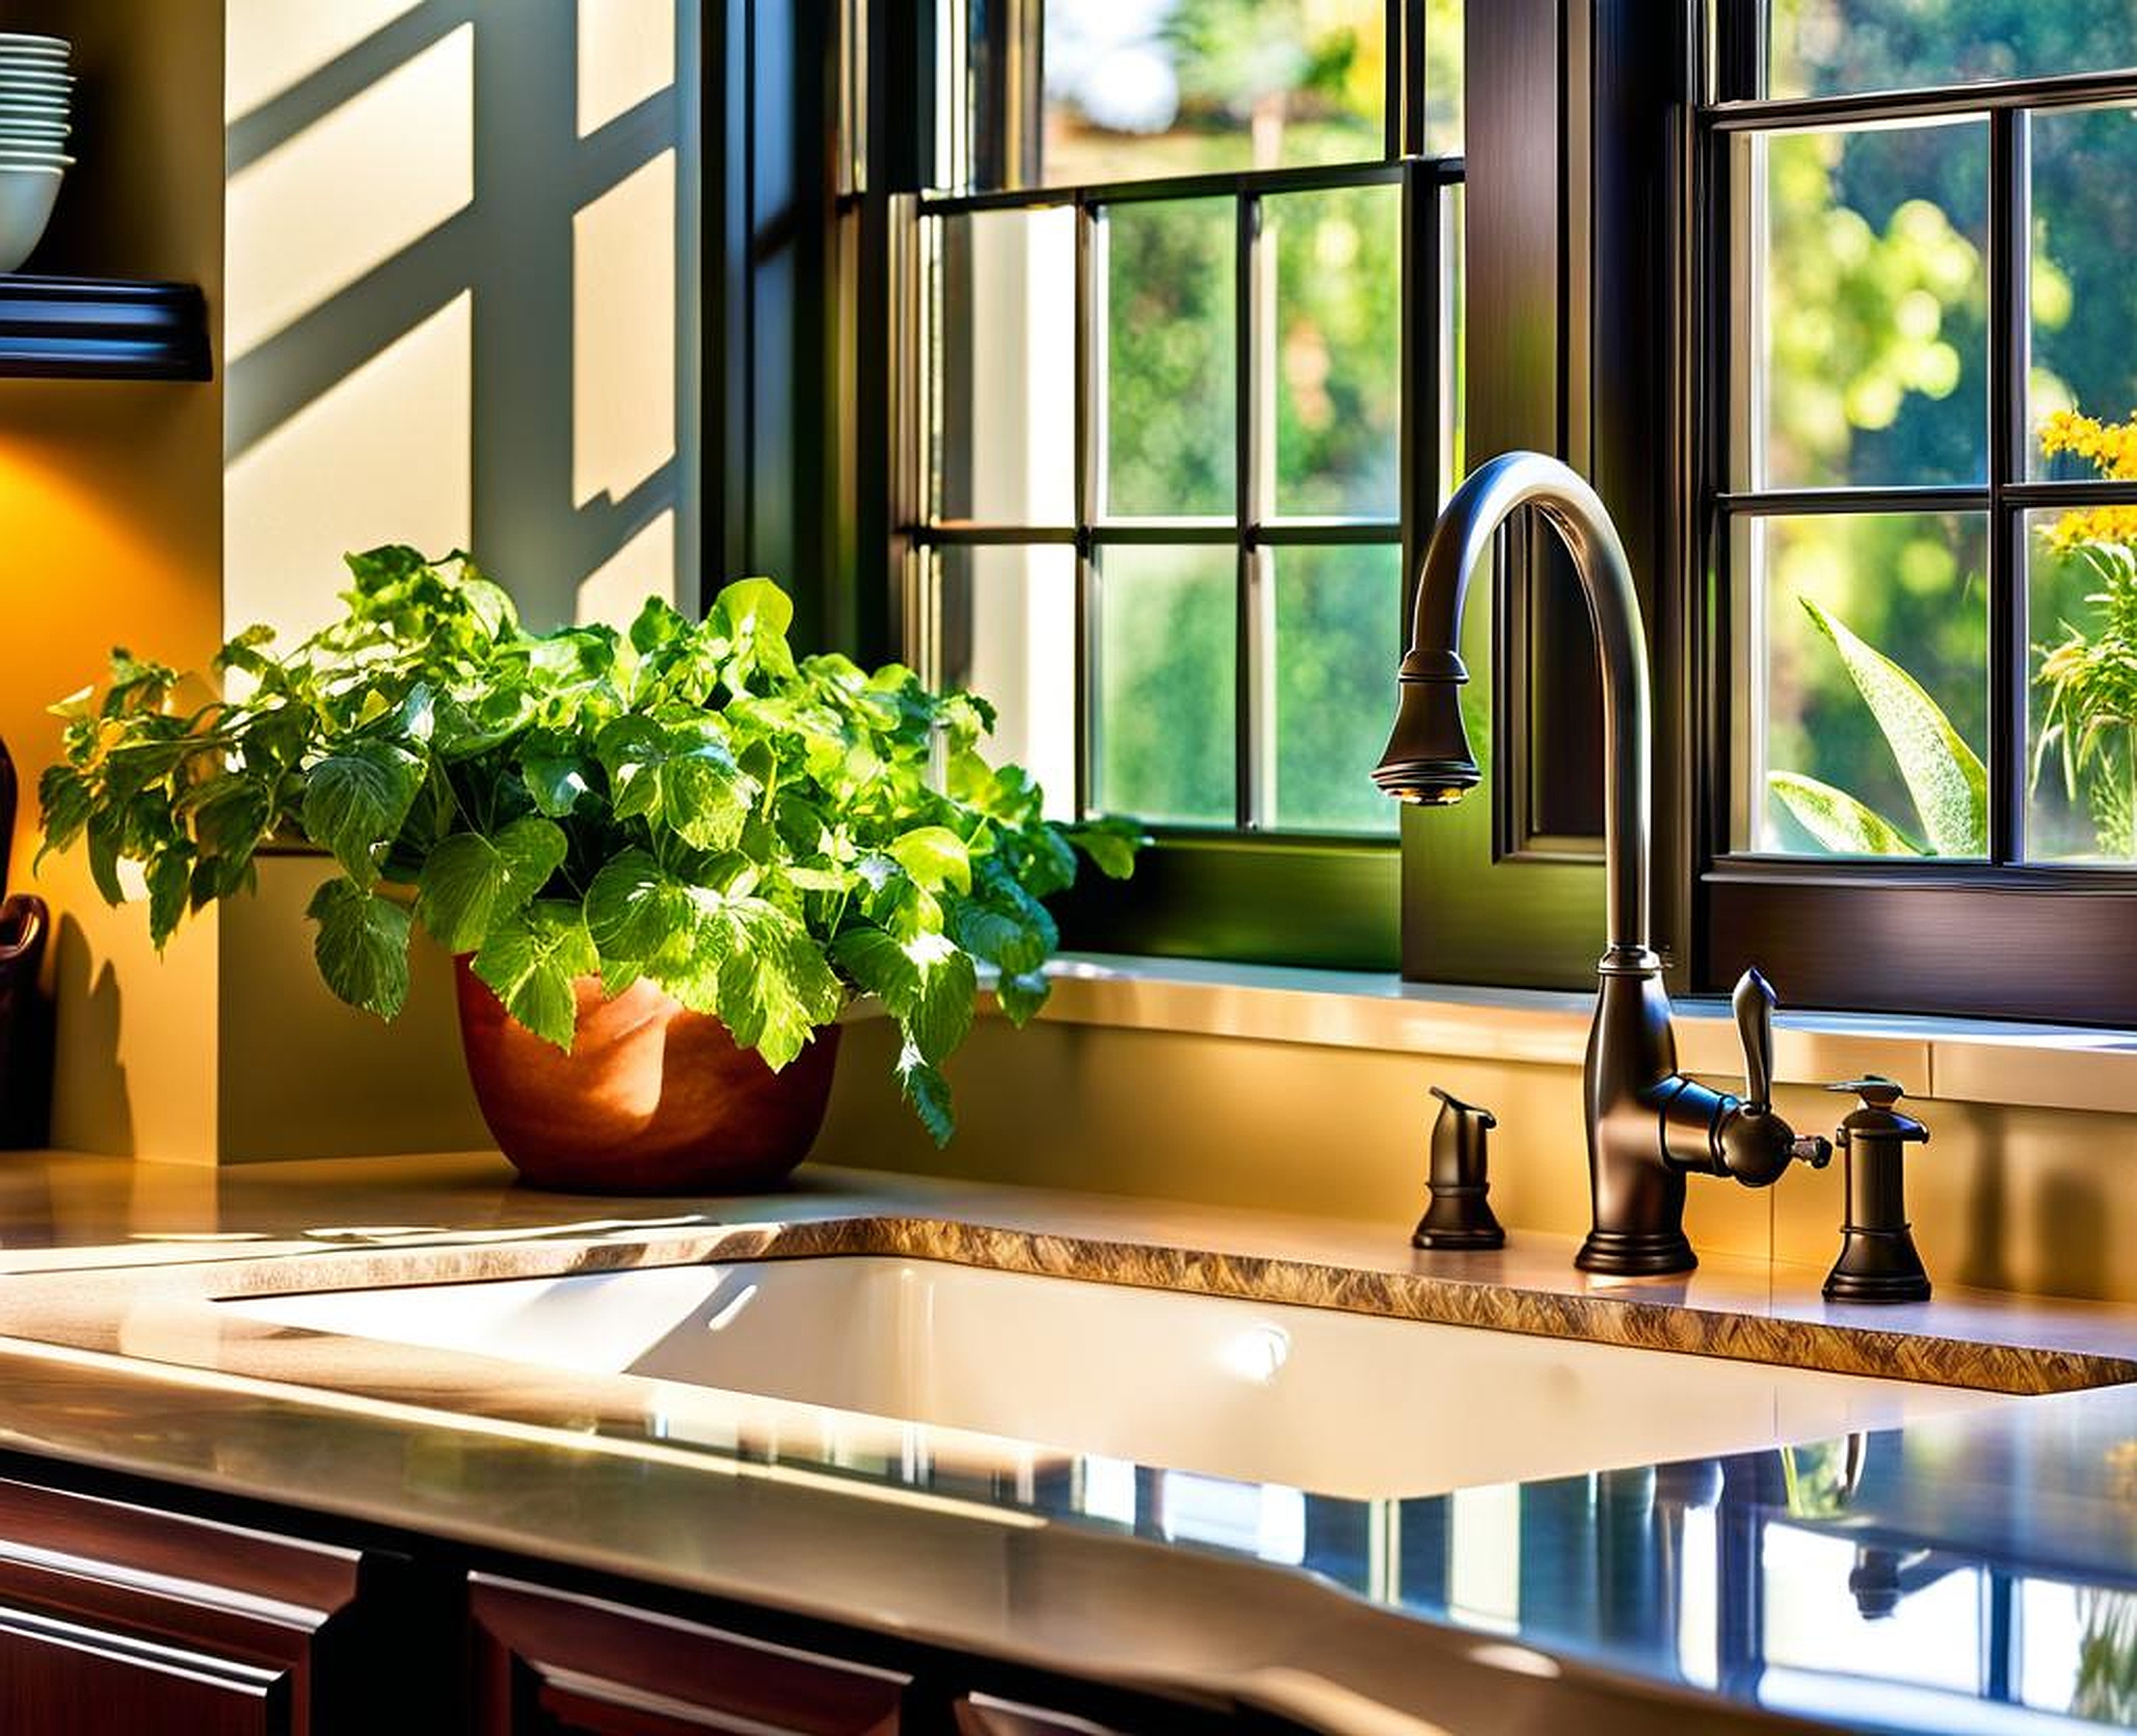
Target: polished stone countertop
point(1973, 1572)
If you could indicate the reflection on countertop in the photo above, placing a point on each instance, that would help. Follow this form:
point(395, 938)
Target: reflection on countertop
point(1969, 1571)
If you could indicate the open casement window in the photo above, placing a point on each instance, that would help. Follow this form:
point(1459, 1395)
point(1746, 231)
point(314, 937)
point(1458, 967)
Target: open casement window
point(1919, 492)
point(1176, 398)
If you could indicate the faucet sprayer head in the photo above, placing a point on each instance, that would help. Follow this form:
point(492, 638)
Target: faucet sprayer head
point(1427, 758)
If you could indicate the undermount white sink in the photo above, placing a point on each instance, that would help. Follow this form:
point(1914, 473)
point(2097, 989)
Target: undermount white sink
point(1338, 1403)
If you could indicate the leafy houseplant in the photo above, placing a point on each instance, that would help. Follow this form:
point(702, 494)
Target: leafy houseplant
point(685, 811)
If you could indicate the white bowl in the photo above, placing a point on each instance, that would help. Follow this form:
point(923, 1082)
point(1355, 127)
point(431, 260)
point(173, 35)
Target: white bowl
point(11, 40)
point(52, 86)
point(29, 156)
point(26, 197)
point(28, 103)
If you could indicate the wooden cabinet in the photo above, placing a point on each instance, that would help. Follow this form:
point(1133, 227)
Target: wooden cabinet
point(983, 1715)
point(118, 1618)
point(552, 1663)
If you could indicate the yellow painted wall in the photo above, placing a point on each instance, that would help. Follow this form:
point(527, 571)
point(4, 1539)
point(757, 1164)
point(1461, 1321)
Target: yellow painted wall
point(110, 527)
point(2030, 1200)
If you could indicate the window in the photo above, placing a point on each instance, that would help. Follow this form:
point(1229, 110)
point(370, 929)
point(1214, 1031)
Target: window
point(1921, 495)
point(1179, 398)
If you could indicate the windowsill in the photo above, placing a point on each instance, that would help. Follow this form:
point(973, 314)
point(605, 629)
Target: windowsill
point(1959, 1060)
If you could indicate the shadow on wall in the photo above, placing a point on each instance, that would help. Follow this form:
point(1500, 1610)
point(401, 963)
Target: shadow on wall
point(462, 297)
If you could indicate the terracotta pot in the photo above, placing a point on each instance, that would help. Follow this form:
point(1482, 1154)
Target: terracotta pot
point(652, 1098)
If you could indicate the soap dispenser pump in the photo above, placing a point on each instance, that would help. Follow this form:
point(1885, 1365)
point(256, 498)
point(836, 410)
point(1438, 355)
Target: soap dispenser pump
point(1878, 1259)
point(1459, 1214)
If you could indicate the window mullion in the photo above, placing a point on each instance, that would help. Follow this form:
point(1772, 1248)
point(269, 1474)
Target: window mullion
point(2010, 354)
point(1090, 447)
point(1251, 724)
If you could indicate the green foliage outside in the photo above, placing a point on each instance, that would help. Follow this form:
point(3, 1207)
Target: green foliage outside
point(760, 835)
point(1875, 301)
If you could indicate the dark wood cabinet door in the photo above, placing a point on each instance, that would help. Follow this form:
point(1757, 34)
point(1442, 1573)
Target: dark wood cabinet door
point(121, 1618)
point(982, 1715)
point(554, 1664)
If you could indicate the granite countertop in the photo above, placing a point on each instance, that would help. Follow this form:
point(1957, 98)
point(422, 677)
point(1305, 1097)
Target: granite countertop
point(1974, 1570)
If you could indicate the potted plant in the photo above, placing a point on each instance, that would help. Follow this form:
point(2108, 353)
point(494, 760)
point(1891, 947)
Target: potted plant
point(663, 860)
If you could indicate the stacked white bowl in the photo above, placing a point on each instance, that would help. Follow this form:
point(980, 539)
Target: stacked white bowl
point(37, 93)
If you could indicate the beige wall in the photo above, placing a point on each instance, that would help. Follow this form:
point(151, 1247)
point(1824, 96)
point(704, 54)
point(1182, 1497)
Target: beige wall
point(461, 314)
point(2021, 1199)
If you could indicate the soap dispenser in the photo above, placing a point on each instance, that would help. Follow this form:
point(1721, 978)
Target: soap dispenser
point(1458, 1215)
point(1878, 1260)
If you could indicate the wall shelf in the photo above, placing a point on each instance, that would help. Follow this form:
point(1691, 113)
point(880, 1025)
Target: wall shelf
point(97, 329)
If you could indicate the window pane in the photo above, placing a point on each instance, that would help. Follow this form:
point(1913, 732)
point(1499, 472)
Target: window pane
point(1171, 415)
point(1338, 629)
point(2084, 297)
point(1443, 83)
point(1137, 88)
point(1863, 692)
point(1166, 673)
point(2082, 701)
point(1861, 278)
point(1008, 631)
point(1820, 47)
point(1338, 346)
point(1006, 351)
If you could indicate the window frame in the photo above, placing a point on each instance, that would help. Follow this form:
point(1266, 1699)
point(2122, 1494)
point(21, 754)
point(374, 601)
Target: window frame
point(1235, 891)
point(2001, 937)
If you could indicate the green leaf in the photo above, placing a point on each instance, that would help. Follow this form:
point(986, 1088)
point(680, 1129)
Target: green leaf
point(760, 971)
point(635, 909)
point(470, 881)
point(1109, 843)
point(361, 946)
point(929, 1092)
point(682, 776)
point(170, 876)
point(555, 782)
point(1838, 821)
point(935, 857)
point(355, 801)
point(532, 960)
point(926, 983)
point(1022, 996)
point(64, 803)
point(1943, 775)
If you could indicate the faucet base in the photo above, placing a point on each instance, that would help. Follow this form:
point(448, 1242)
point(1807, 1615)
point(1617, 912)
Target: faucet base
point(1636, 1253)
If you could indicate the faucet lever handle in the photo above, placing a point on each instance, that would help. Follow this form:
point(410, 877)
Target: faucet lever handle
point(1753, 1002)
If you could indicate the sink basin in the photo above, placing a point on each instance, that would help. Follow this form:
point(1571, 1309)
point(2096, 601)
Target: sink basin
point(1310, 1399)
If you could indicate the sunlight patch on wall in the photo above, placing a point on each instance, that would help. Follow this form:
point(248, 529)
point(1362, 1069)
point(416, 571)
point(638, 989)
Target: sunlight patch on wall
point(350, 191)
point(644, 567)
point(274, 44)
point(383, 457)
point(623, 333)
point(627, 53)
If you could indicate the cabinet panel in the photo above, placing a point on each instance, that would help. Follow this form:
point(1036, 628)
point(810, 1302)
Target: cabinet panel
point(117, 1618)
point(554, 1664)
point(982, 1715)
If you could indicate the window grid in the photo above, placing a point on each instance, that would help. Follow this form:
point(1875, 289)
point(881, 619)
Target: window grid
point(2009, 491)
point(1254, 525)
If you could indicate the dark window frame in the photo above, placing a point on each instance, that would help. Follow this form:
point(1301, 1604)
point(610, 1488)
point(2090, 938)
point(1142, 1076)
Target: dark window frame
point(2004, 938)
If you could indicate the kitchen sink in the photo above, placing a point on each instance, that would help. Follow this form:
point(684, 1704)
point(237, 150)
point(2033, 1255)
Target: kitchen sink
point(1339, 1404)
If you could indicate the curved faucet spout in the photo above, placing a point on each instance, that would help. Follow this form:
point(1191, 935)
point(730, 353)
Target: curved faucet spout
point(1429, 758)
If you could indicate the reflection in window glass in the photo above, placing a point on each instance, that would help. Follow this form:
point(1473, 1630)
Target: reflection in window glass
point(1007, 449)
point(2082, 699)
point(1931, 1637)
point(1167, 663)
point(2084, 298)
point(1171, 417)
point(1008, 630)
point(1863, 693)
point(1822, 46)
point(1338, 346)
point(1338, 623)
point(1140, 88)
point(1866, 280)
